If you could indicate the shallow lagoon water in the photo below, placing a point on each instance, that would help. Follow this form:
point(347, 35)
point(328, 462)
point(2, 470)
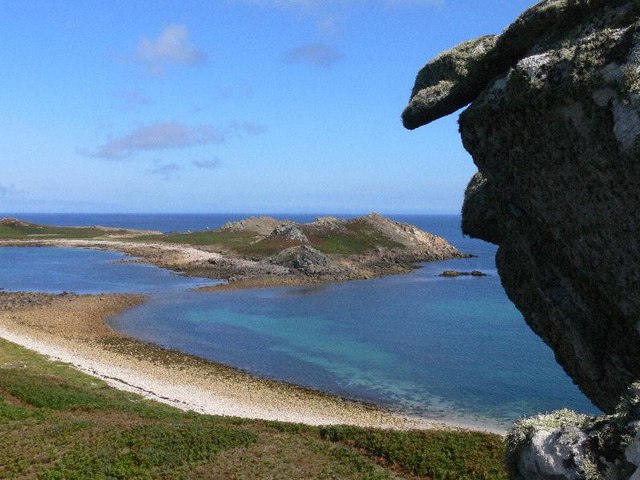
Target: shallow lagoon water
point(57, 270)
point(416, 343)
point(444, 348)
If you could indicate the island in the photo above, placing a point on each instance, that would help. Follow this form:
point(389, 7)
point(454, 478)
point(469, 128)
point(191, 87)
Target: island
point(258, 251)
point(250, 427)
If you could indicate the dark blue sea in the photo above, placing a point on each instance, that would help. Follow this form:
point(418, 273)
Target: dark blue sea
point(442, 348)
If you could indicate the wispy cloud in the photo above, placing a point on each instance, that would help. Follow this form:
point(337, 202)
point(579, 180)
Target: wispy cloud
point(131, 99)
point(211, 164)
point(170, 135)
point(159, 136)
point(167, 171)
point(316, 54)
point(9, 191)
point(172, 47)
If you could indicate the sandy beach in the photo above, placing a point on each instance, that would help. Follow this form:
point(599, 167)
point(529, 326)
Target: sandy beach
point(72, 329)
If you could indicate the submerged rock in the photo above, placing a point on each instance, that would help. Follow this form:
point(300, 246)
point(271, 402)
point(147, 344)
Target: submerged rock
point(456, 273)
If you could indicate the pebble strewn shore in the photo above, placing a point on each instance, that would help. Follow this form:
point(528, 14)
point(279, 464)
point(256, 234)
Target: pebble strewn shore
point(72, 328)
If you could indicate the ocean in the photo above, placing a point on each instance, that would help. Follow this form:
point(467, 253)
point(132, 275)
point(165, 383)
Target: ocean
point(442, 348)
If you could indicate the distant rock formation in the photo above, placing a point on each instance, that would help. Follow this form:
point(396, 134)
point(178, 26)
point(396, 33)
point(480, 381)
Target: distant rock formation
point(331, 249)
point(554, 129)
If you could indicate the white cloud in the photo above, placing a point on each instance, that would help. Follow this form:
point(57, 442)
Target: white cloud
point(316, 54)
point(159, 136)
point(172, 47)
point(170, 135)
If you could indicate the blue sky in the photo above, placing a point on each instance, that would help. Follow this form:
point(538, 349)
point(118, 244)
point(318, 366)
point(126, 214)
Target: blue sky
point(230, 105)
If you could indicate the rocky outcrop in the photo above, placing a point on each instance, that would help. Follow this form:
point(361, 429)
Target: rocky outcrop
point(305, 259)
point(564, 445)
point(554, 132)
point(409, 237)
point(289, 231)
point(554, 128)
point(259, 225)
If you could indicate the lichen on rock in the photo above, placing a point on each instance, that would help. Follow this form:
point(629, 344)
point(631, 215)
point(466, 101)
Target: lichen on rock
point(565, 445)
point(555, 135)
point(554, 129)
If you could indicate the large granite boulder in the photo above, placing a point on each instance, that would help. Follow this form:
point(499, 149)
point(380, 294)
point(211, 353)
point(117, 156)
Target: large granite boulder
point(564, 445)
point(554, 128)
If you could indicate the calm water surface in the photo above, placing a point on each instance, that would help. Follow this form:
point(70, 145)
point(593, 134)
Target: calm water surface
point(438, 347)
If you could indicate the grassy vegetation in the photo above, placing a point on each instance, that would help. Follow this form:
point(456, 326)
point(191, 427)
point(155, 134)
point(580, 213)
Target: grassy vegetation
point(243, 243)
point(357, 237)
point(56, 423)
point(23, 230)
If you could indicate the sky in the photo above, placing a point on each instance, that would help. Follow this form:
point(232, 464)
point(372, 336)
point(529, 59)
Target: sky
point(229, 106)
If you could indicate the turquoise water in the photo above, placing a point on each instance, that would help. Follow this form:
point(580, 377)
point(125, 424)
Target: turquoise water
point(443, 348)
point(57, 270)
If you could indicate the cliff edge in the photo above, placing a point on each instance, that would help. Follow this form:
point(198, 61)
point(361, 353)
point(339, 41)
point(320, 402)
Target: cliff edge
point(554, 127)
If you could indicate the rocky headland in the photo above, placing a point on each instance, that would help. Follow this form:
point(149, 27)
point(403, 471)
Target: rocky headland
point(553, 127)
point(260, 251)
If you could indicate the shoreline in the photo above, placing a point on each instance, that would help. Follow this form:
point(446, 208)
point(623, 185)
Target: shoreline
point(239, 272)
point(72, 329)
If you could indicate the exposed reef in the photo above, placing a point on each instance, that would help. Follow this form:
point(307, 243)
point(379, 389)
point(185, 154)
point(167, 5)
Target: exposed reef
point(456, 273)
point(553, 127)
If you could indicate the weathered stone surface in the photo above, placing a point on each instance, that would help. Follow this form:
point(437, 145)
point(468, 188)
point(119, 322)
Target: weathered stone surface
point(478, 215)
point(555, 133)
point(456, 77)
point(555, 136)
point(565, 446)
point(449, 82)
point(290, 231)
point(305, 259)
point(257, 225)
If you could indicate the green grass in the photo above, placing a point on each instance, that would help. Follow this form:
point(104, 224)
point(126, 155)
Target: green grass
point(357, 237)
point(23, 230)
point(243, 243)
point(57, 423)
point(428, 454)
